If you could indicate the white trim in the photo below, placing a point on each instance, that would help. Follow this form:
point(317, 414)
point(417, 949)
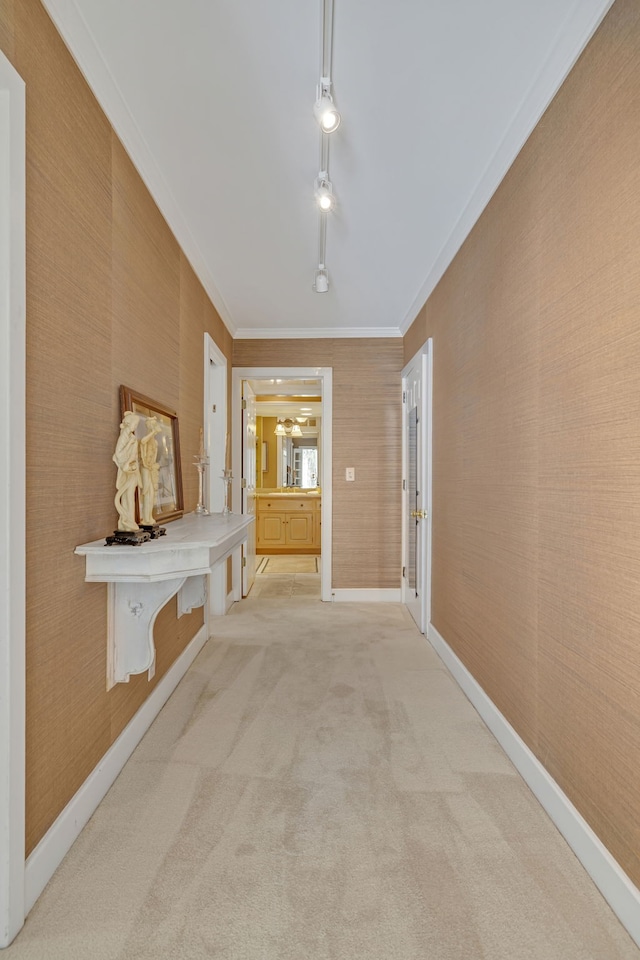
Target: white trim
point(238, 374)
point(580, 25)
point(366, 596)
point(424, 360)
point(607, 874)
point(12, 500)
point(429, 391)
point(315, 333)
point(74, 30)
point(215, 431)
point(215, 424)
point(56, 843)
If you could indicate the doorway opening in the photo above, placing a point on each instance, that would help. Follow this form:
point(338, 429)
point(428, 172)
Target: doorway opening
point(281, 428)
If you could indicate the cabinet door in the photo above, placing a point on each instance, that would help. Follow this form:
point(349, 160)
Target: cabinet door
point(271, 529)
point(300, 529)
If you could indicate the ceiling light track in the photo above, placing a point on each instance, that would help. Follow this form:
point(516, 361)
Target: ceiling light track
point(328, 119)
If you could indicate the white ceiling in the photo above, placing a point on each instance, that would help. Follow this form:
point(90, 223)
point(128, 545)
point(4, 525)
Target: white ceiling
point(213, 100)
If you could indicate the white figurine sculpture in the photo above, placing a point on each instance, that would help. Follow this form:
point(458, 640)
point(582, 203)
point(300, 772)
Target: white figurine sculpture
point(150, 469)
point(128, 479)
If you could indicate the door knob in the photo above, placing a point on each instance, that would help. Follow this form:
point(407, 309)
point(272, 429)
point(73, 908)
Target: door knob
point(419, 514)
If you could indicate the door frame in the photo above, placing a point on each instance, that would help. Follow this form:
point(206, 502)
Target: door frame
point(423, 358)
point(216, 428)
point(325, 374)
point(215, 421)
point(247, 498)
point(12, 501)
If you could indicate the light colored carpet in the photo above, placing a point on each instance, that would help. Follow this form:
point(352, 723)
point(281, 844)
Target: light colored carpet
point(318, 787)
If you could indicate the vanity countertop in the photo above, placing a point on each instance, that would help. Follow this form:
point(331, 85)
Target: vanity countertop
point(288, 494)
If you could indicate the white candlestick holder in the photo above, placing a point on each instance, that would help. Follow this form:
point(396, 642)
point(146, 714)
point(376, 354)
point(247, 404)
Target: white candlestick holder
point(227, 477)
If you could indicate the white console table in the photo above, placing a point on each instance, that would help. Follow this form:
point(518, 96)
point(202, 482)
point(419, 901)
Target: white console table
point(142, 579)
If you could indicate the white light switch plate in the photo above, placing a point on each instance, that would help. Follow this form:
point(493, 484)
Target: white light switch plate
point(350, 473)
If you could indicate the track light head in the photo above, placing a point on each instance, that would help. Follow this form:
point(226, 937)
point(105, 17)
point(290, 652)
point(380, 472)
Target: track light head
point(325, 197)
point(321, 282)
point(326, 113)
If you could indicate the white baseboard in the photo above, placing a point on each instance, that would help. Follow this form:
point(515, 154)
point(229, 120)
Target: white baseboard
point(56, 843)
point(367, 596)
point(621, 894)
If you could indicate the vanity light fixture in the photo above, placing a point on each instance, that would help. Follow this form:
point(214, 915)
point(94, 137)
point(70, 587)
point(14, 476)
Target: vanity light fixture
point(287, 428)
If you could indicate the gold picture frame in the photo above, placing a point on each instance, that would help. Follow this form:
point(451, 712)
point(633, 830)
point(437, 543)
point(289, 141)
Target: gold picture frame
point(169, 503)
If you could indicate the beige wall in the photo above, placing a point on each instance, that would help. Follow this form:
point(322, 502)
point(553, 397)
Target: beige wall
point(536, 499)
point(110, 300)
point(367, 414)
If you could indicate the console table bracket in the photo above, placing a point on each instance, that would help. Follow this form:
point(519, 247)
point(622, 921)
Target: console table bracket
point(132, 611)
point(192, 594)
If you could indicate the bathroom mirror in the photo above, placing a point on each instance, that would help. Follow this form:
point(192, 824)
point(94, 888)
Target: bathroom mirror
point(284, 461)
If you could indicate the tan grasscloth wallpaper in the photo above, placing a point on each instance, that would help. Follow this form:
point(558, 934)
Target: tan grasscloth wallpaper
point(110, 300)
point(536, 447)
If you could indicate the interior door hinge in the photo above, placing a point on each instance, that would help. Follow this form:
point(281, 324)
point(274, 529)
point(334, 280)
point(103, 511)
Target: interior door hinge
point(404, 396)
point(243, 482)
point(404, 573)
point(244, 561)
point(404, 484)
point(244, 404)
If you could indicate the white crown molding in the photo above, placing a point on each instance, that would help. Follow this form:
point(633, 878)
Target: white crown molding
point(580, 26)
point(76, 34)
point(615, 886)
point(315, 333)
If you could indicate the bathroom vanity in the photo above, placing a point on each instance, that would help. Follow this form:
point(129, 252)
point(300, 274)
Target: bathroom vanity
point(288, 522)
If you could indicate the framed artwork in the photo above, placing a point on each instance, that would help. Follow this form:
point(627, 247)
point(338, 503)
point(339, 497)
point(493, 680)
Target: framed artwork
point(169, 502)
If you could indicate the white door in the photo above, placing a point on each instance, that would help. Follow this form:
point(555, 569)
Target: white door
point(417, 488)
point(249, 482)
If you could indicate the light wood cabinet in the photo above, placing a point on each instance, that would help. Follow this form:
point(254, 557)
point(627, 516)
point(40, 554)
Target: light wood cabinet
point(288, 525)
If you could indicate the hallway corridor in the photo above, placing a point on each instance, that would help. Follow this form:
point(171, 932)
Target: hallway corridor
point(318, 788)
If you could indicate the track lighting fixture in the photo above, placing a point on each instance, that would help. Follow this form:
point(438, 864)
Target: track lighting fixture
point(328, 118)
point(324, 109)
point(321, 282)
point(325, 197)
